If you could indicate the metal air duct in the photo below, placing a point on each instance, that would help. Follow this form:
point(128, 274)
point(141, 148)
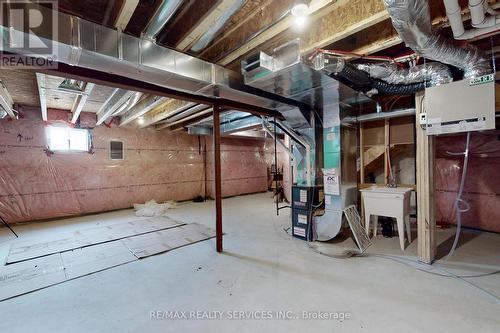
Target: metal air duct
point(88, 45)
point(412, 21)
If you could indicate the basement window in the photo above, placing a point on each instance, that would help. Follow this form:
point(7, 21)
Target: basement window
point(116, 150)
point(68, 139)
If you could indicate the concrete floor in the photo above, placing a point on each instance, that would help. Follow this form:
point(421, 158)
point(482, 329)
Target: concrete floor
point(262, 269)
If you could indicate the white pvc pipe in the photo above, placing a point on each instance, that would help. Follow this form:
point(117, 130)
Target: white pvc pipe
point(477, 12)
point(454, 13)
point(485, 25)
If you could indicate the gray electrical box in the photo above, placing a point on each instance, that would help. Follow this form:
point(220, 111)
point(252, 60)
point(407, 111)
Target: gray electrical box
point(462, 106)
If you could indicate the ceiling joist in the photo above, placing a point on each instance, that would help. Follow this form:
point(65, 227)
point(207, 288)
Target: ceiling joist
point(190, 14)
point(209, 19)
point(318, 9)
point(125, 14)
point(40, 80)
point(80, 101)
point(145, 105)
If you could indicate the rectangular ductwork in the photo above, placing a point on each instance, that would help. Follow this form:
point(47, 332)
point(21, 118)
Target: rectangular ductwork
point(88, 45)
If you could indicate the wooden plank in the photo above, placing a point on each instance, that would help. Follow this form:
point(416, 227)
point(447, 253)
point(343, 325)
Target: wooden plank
point(402, 130)
point(80, 101)
point(125, 14)
point(253, 17)
point(143, 13)
point(425, 189)
point(382, 36)
point(204, 25)
point(320, 9)
point(40, 80)
point(191, 14)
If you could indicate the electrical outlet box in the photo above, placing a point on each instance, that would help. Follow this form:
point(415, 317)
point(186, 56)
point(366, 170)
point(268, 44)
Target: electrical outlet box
point(462, 106)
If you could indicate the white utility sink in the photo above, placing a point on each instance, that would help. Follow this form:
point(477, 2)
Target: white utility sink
point(390, 202)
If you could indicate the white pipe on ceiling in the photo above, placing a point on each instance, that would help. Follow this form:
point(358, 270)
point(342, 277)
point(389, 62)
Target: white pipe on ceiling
point(477, 12)
point(482, 23)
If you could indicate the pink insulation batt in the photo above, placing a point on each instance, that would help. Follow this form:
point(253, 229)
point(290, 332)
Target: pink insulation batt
point(482, 186)
point(158, 165)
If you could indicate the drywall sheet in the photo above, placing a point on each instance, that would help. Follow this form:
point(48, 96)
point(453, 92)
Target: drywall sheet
point(165, 240)
point(34, 248)
point(81, 262)
point(28, 276)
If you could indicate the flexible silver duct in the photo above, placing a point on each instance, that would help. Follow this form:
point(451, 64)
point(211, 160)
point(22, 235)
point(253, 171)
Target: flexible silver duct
point(434, 74)
point(412, 21)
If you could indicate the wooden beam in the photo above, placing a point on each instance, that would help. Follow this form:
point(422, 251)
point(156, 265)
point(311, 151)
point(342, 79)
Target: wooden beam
point(119, 99)
point(189, 17)
point(40, 80)
point(164, 110)
point(80, 101)
point(125, 14)
point(259, 14)
point(330, 21)
point(382, 36)
point(209, 19)
point(186, 121)
point(426, 221)
point(145, 105)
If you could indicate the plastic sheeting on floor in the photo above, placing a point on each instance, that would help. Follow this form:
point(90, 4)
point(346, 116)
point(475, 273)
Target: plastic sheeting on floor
point(27, 249)
point(31, 275)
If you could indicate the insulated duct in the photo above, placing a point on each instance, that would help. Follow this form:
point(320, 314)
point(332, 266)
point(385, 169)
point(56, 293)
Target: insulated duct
point(412, 21)
point(434, 74)
point(357, 79)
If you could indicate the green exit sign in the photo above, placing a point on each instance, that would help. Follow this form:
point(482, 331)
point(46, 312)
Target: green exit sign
point(482, 80)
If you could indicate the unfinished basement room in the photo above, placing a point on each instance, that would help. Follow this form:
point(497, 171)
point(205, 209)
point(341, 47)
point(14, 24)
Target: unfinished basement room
point(249, 166)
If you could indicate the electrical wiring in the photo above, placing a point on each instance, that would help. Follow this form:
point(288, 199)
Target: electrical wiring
point(459, 201)
point(413, 263)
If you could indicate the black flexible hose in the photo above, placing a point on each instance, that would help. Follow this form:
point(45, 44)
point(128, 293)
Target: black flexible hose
point(360, 80)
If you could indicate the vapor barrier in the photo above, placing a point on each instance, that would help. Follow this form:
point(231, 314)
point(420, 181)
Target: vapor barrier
point(158, 165)
point(482, 186)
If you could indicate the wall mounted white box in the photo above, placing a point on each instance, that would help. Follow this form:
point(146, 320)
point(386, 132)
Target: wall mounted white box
point(461, 106)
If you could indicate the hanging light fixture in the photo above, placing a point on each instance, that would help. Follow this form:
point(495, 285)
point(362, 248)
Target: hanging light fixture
point(300, 8)
point(300, 11)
